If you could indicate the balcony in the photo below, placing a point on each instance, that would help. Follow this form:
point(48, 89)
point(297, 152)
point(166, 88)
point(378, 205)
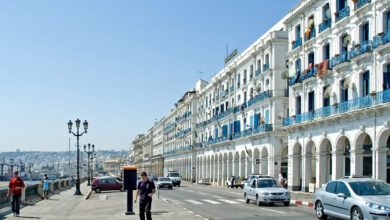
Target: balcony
point(231, 89)
point(223, 94)
point(260, 97)
point(310, 34)
point(308, 73)
point(265, 67)
point(361, 3)
point(343, 13)
point(343, 107)
point(297, 43)
point(295, 78)
point(258, 72)
point(183, 132)
point(358, 50)
point(381, 39)
point(339, 59)
point(324, 25)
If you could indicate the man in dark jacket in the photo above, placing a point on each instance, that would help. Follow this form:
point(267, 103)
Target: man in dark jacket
point(15, 189)
point(145, 191)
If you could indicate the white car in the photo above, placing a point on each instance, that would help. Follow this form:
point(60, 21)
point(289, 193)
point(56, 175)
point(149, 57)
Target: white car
point(175, 177)
point(266, 191)
point(204, 181)
point(164, 182)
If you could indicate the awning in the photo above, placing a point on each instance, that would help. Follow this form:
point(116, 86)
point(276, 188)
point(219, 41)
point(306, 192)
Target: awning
point(328, 91)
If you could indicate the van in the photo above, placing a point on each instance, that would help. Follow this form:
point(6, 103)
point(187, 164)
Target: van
point(175, 178)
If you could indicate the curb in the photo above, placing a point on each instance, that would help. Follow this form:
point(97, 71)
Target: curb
point(88, 195)
point(302, 203)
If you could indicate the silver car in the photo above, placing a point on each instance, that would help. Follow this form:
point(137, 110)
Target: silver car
point(355, 198)
point(266, 191)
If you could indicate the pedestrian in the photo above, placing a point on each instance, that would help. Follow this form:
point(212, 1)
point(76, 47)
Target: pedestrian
point(15, 189)
point(145, 191)
point(281, 180)
point(45, 186)
point(233, 182)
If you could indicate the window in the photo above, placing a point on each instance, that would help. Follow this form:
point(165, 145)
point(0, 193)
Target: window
point(326, 52)
point(331, 187)
point(259, 64)
point(342, 188)
point(297, 32)
point(311, 101)
point(238, 80)
point(244, 76)
point(298, 105)
point(341, 4)
point(343, 91)
point(245, 96)
point(387, 22)
point(366, 83)
point(251, 73)
point(343, 47)
point(364, 33)
point(325, 9)
point(311, 58)
point(326, 98)
point(298, 65)
point(386, 77)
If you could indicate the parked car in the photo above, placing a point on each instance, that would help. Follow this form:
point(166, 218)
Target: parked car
point(153, 177)
point(234, 182)
point(266, 191)
point(204, 181)
point(106, 183)
point(175, 177)
point(354, 198)
point(164, 182)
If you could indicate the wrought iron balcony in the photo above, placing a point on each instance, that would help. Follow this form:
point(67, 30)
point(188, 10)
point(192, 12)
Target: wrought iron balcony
point(343, 13)
point(260, 97)
point(343, 107)
point(311, 35)
point(361, 3)
point(310, 72)
point(381, 39)
point(324, 25)
point(258, 72)
point(297, 43)
point(342, 58)
point(295, 78)
point(265, 67)
point(358, 50)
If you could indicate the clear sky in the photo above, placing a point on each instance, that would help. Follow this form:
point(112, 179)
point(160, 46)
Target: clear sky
point(118, 64)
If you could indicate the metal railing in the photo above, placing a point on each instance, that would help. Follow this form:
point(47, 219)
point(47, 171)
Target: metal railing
point(343, 107)
point(343, 13)
point(265, 67)
point(358, 50)
point(342, 58)
point(361, 3)
point(312, 34)
point(324, 25)
point(297, 43)
point(381, 39)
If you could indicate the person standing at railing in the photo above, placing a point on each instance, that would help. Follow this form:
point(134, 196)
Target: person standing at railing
point(15, 189)
point(45, 186)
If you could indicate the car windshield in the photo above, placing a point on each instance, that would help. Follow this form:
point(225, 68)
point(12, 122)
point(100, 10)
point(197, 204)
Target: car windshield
point(370, 188)
point(164, 179)
point(174, 175)
point(266, 183)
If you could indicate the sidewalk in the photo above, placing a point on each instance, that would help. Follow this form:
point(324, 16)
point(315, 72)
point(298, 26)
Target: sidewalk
point(105, 205)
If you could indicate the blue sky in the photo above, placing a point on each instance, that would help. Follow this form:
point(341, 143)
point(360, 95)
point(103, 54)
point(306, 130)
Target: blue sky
point(118, 64)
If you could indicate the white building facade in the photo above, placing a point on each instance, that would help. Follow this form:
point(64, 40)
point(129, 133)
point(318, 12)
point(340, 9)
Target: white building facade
point(240, 113)
point(339, 80)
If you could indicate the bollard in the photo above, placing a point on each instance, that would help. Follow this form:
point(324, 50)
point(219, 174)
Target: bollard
point(130, 184)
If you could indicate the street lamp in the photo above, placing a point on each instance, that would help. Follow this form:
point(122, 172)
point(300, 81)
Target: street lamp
point(78, 135)
point(90, 156)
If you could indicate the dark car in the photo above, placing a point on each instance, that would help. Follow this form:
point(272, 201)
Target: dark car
point(106, 183)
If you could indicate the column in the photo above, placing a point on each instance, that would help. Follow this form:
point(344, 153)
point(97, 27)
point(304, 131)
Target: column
point(306, 175)
point(321, 169)
point(338, 165)
point(381, 163)
point(357, 162)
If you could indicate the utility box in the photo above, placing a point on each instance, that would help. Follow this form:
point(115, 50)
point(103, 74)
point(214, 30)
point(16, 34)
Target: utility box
point(130, 178)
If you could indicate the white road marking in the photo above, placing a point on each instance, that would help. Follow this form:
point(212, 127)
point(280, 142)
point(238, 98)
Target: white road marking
point(211, 201)
point(271, 210)
point(194, 202)
point(191, 212)
point(203, 193)
point(218, 197)
point(240, 200)
point(228, 201)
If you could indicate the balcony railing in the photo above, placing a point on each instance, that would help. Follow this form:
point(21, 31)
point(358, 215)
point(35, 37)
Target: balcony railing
point(177, 150)
point(311, 34)
point(308, 73)
point(343, 13)
point(381, 39)
point(361, 3)
point(183, 132)
point(365, 47)
point(297, 43)
point(258, 72)
point(231, 89)
point(265, 67)
point(324, 25)
point(295, 78)
point(260, 97)
point(223, 94)
point(343, 107)
point(342, 58)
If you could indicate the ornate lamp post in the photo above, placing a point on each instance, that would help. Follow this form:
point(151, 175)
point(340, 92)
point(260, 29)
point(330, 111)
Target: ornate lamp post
point(90, 156)
point(78, 135)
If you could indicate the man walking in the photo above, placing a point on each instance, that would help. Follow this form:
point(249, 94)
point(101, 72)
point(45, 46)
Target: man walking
point(15, 189)
point(45, 185)
point(145, 191)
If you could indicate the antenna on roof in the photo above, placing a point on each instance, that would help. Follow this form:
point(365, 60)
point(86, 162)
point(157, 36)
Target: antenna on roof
point(200, 74)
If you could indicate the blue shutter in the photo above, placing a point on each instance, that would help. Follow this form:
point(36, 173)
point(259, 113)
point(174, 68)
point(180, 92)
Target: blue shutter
point(224, 130)
point(256, 121)
point(216, 133)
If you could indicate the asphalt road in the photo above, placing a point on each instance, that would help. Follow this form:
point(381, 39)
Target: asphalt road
point(228, 204)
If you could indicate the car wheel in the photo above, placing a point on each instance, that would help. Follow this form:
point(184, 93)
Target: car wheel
point(246, 198)
point(170, 187)
point(258, 201)
point(357, 214)
point(320, 210)
point(98, 190)
point(287, 203)
point(178, 185)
